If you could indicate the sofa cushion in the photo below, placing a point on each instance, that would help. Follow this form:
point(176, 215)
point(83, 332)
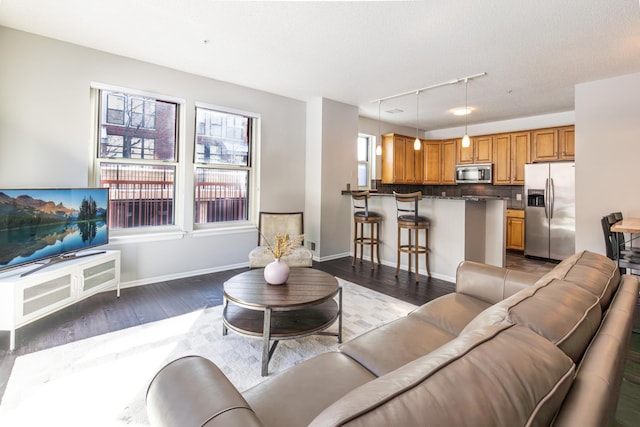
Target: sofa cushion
point(489, 283)
point(560, 311)
point(295, 396)
point(503, 375)
point(451, 312)
point(394, 344)
point(593, 272)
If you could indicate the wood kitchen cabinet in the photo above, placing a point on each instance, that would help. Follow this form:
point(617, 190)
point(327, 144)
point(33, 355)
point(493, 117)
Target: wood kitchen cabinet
point(413, 162)
point(432, 151)
point(448, 156)
point(515, 229)
point(552, 144)
point(511, 151)
point(401, 164)
point(480, 150)
point(566, 139)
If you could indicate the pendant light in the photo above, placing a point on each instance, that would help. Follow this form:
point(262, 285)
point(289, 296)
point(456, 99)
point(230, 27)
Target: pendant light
point(417, 144)
point(466, 142)
point(379, 136)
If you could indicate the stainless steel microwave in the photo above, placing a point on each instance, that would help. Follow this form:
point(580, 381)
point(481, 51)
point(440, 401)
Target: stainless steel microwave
point(474, 174)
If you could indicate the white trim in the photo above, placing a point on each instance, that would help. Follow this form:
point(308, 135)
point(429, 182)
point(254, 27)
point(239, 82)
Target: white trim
point(114, 88)
point(158, 279)
point(145, 237)
point(331, 257)
point(222, 109)
point(219, 231)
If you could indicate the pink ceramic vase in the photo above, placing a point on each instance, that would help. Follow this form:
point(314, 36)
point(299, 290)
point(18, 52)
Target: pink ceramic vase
point(276, 272)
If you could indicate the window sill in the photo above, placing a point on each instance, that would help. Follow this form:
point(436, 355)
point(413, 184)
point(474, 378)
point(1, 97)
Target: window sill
point(146, 237)
point(221, 231)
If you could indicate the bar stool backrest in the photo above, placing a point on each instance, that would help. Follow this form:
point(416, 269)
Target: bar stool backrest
point(407, 206)
point(361, 201)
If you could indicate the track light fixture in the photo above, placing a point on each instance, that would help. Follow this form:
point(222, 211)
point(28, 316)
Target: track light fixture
point(466, 142)
point(417, 145)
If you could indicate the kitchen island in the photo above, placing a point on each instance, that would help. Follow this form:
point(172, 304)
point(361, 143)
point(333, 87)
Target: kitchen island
point(461, 228)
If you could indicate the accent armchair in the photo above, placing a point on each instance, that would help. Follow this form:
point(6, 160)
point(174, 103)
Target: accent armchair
point(272, 223)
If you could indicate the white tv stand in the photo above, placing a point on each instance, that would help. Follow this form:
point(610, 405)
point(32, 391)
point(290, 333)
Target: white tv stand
point(24, 299)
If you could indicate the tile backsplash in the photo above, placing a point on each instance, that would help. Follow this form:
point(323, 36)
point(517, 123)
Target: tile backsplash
point(509, 192)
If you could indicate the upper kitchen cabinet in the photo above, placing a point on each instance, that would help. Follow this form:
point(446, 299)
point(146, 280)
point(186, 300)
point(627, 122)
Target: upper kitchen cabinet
point(413, 162)
point(401, 163)
point(448, 156)
point(432, 161)
point(553, 144)
point(511, 151)
point(566, 139)
point(479, 151)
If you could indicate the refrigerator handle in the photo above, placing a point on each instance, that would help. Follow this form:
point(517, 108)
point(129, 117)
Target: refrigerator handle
point(552, 197)
point(546, 198)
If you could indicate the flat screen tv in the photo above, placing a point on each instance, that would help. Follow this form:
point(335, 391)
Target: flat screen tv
point(51, 225)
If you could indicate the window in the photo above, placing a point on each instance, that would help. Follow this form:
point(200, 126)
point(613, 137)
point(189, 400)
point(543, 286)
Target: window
point(223, 145)
point(364, 164)
point(136, 158)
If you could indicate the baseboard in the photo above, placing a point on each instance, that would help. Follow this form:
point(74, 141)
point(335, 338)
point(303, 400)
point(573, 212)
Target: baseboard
point(157, 279)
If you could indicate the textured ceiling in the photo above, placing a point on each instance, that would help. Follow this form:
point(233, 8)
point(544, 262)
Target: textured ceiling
point(534, 52)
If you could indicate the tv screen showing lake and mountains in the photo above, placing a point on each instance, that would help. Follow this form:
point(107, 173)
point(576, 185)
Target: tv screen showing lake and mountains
point(37, 224)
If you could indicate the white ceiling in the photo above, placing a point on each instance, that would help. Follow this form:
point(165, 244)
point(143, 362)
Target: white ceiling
point(534, 52)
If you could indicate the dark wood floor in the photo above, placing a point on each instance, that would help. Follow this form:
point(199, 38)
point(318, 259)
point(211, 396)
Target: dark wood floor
point(104, 313)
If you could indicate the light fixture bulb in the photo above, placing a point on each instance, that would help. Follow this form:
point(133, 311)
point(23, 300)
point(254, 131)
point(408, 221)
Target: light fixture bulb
point(466, 142)
point(417, 145)
point(379, 150)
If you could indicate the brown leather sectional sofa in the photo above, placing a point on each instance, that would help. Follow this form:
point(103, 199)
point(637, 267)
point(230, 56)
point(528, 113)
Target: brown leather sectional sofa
point(506, 349)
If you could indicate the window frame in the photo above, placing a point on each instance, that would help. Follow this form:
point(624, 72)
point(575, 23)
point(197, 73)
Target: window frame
point(161, 231)
point(370, 162)
point(252, 167)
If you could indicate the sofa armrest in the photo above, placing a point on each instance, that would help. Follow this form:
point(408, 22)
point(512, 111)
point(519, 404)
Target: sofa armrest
point(593, 397)
point(490, 283)
point(192, 391)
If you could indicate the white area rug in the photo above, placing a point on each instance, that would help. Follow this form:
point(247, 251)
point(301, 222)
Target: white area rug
point(102, 381)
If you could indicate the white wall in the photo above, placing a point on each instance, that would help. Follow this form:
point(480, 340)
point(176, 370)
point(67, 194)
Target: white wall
point(607, 153)
point(45, 141)
point(332, 130)
point(313, 176)
point(339, 167)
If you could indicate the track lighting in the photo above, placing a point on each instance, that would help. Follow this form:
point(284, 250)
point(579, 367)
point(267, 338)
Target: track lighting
point(466, 142)
point(417, 145)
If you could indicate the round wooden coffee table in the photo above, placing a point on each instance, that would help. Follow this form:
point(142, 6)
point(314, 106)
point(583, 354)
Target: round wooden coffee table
point(304, 305)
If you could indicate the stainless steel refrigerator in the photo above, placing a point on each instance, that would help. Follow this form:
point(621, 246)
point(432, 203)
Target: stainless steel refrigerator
point(550, 219)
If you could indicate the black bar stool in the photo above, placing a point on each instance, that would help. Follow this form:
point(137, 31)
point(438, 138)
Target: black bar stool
point(409, 219)
point(361, 216)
